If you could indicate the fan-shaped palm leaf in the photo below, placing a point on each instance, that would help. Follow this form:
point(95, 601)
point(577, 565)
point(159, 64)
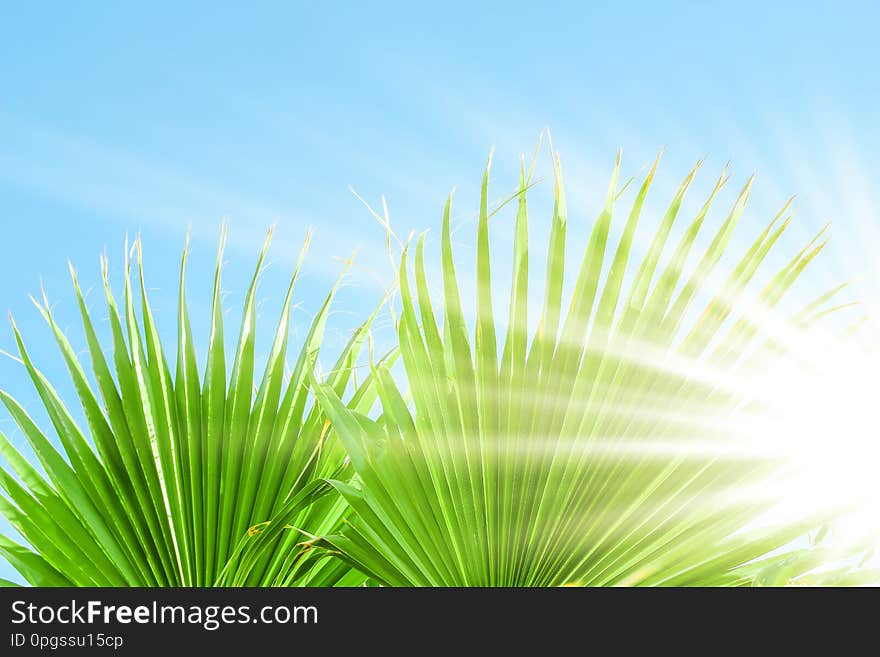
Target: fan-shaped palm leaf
point(175, 470)
point(584, 452)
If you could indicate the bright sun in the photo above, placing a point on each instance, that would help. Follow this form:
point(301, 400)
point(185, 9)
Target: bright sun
point(824, 422)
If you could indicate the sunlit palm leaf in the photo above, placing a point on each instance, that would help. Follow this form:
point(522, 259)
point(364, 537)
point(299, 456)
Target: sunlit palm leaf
point(578, 453)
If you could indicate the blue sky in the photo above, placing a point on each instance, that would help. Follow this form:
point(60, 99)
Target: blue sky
point(119, 120)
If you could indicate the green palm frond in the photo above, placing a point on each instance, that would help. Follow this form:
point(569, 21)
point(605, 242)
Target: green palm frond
point(180, 480)
point(575, 453)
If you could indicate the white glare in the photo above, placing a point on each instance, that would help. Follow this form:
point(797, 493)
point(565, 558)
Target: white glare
point(824, 418)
